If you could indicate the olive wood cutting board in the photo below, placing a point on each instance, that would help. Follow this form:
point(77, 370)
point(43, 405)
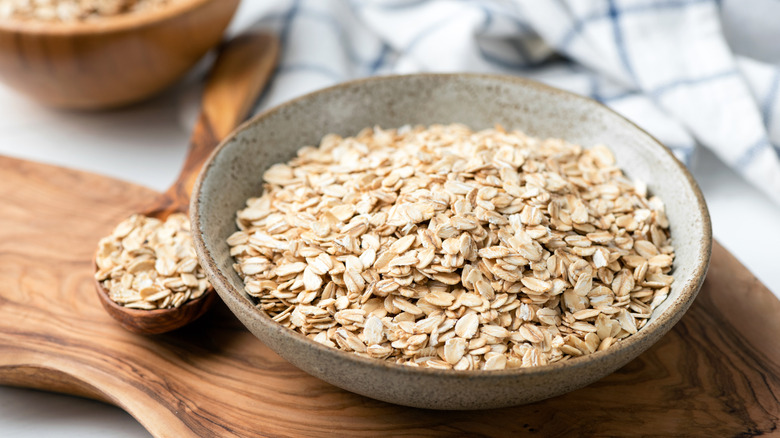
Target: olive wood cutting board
point(717, 373)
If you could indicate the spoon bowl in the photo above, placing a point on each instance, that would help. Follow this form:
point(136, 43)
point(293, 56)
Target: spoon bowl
point(153, 322)
point(239, 74)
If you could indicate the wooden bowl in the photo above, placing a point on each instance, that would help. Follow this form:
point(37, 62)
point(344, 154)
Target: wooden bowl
point(234, 171)
point(111, 61)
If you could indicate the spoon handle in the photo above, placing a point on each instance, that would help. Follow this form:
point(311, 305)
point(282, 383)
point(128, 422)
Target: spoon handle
point(243, 67)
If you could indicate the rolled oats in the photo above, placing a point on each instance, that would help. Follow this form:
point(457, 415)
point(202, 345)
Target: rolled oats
point(75, 10)
point(447, 248)
point(151, 264)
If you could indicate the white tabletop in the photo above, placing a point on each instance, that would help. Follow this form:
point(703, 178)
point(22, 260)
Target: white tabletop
point(120, 144)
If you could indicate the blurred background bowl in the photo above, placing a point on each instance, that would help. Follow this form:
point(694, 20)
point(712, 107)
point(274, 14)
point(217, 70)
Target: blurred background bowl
point(109, 61)
point(234, 173)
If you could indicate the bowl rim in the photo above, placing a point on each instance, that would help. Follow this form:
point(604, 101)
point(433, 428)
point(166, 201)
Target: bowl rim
point(659, 326)
point(104, 25)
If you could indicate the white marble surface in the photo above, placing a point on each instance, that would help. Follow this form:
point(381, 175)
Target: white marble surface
point(120, 144)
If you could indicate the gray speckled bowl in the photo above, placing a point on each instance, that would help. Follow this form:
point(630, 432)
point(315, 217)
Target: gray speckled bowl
point(234, 173)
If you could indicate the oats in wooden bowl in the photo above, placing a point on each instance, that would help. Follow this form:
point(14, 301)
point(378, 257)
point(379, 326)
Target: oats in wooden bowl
point(148, 264)
point(97, 54)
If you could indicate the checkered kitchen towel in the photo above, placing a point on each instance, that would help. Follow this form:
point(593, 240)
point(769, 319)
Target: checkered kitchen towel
point(664, 64)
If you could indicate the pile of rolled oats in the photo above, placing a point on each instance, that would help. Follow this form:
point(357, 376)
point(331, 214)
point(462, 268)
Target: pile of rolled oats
point(447, 248)
point(75, 10)
point(150, 264)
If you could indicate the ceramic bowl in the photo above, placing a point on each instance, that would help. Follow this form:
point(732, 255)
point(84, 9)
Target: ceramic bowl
point(234, 173)
point(111, 61)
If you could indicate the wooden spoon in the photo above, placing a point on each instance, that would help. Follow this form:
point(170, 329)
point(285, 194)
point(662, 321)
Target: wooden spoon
point(239, 74)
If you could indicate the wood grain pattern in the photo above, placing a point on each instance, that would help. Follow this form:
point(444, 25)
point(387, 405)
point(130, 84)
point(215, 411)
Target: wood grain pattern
point(717, 373)
point(113, 61)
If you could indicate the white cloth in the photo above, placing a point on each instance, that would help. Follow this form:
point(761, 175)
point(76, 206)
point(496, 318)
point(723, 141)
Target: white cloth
point(664, 64)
